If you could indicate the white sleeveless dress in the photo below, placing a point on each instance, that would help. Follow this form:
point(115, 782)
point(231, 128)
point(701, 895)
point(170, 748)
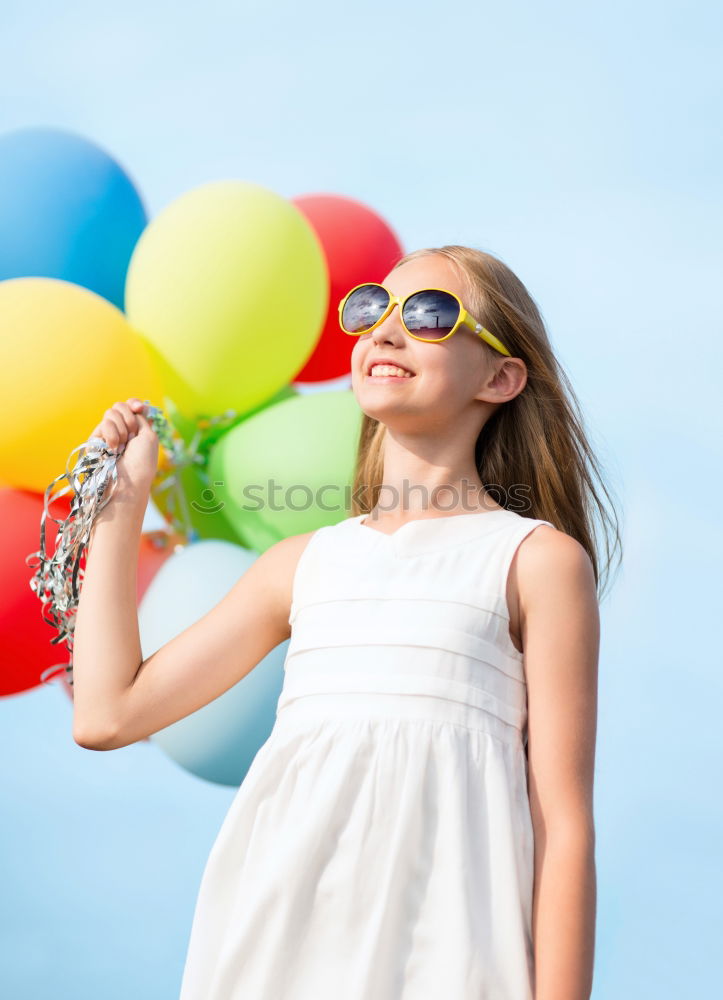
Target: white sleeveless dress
point(380, 846)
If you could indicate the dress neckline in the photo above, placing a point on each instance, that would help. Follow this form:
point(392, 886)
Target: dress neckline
point(424, 520)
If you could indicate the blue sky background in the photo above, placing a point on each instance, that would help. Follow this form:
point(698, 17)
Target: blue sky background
point(581, 145)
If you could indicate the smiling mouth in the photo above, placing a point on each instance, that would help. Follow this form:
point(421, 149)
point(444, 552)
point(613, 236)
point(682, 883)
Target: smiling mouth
point(389, 371)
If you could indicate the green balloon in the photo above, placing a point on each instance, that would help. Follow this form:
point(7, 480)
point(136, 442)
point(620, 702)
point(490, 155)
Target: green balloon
point(198, 506)
point(288, 469)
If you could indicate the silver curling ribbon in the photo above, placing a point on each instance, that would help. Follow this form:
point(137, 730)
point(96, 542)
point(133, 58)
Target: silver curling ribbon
point(58, 578)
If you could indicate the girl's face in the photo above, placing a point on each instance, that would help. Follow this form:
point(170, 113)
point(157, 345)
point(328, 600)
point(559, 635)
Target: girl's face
point(449, 378)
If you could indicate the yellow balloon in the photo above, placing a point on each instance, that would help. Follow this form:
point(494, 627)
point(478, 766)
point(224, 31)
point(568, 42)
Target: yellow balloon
point(230, 285)
point(66, 355)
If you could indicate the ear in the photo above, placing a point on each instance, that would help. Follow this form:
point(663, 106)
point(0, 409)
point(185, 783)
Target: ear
point(503, 380)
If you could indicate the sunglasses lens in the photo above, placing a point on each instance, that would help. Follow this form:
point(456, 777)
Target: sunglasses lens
point(363, 308)
point(431, 314)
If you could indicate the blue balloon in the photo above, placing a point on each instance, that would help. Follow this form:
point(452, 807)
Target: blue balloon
point(67, 210)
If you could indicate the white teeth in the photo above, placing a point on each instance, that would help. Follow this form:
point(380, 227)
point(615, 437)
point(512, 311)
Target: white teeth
point(389, 370)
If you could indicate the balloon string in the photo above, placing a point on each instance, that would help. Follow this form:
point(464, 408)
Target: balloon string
point(58, 578)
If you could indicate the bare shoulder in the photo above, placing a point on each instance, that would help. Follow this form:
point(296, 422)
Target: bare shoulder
point(289, 549)
point(549, 566)
point(548, 548)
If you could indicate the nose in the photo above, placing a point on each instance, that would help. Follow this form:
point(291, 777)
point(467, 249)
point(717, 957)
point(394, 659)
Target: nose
point(390, 328)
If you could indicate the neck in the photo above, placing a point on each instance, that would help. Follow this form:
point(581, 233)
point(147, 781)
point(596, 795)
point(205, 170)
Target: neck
point(430, 474)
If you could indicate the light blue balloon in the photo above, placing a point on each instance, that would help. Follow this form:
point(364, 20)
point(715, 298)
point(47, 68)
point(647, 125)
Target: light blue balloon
point(220, 740)
point(67, 210)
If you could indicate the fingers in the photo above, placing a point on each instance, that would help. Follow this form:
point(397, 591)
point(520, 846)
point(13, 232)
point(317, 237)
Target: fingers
point(119, 425)
point(128, 416)
point(122, 422)
point(113, 429)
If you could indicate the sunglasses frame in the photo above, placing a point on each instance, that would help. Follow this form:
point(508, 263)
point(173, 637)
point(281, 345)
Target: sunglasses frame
point(464, 318)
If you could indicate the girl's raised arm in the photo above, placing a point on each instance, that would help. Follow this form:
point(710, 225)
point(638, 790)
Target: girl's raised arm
point(118, 698)
point(204, 660)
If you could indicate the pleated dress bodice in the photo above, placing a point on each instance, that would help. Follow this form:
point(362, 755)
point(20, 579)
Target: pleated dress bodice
point(420, 611)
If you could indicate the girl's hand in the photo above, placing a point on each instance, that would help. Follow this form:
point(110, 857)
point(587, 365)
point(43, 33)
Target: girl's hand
point(124, 426)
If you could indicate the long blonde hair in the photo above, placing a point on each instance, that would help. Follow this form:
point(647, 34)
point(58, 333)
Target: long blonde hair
point(537, 439)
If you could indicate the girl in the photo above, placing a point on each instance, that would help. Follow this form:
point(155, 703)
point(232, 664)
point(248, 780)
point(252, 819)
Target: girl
point(419, 823)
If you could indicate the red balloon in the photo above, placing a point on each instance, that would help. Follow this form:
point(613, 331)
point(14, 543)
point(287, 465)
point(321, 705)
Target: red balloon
point(359, 246)
point(25, 636)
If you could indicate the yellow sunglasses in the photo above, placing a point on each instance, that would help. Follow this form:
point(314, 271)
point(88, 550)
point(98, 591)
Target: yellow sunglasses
point(431, 314)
